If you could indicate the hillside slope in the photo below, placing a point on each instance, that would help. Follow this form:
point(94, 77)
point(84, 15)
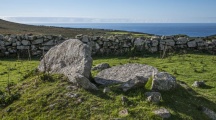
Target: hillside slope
point(7, 27)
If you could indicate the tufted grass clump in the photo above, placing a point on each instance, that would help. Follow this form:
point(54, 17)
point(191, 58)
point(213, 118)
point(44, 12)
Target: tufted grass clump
point(148, 85)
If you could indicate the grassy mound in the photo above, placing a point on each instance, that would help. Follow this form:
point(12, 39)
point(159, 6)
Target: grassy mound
point(45, 96)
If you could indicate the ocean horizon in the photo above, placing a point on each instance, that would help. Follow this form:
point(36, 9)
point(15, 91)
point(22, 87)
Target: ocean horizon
point(190, 29)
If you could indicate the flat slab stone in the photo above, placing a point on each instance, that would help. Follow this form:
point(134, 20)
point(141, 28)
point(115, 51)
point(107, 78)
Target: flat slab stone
point(124, 73)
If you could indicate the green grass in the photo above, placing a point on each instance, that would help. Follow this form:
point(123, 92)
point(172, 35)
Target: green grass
point(45, 99)
point(187, 68)
point(129, 33)
point(15, 70)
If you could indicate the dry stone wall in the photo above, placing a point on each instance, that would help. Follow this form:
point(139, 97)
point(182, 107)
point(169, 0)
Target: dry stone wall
point(121, 44)
point(23, 45)
point(35, 45)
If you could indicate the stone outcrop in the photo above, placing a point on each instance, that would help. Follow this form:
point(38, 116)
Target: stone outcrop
point(71, 58)
point(125, 74)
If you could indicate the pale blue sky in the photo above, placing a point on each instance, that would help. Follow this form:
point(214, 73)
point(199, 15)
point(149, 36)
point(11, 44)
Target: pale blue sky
point(197, 11)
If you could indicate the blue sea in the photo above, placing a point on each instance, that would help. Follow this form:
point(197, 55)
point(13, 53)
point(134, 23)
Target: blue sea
point(190, 29)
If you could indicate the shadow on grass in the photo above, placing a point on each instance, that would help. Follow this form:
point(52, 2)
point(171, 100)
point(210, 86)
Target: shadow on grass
point(187, 102)
point(182, 102)
point(100, 94)
point(206, 87)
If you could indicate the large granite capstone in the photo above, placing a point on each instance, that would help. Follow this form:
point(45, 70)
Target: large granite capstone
point(125, 73)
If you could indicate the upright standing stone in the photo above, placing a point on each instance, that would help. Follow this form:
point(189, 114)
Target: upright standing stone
point(71, 58)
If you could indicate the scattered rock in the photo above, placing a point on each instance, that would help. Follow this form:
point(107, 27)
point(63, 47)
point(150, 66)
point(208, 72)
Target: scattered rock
point(153, 97)
point(72, 95)
point(199, 84)
point(124, 73)
point(72, 87)
point(79, 100)
point(137, 81)
point(106, 90)
point(52, 106)
point(185, 86)
point(83, 81)
point(123, 112)
point(162, 112)
point(101, 66)
point(163, 81)
point(211, 114)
